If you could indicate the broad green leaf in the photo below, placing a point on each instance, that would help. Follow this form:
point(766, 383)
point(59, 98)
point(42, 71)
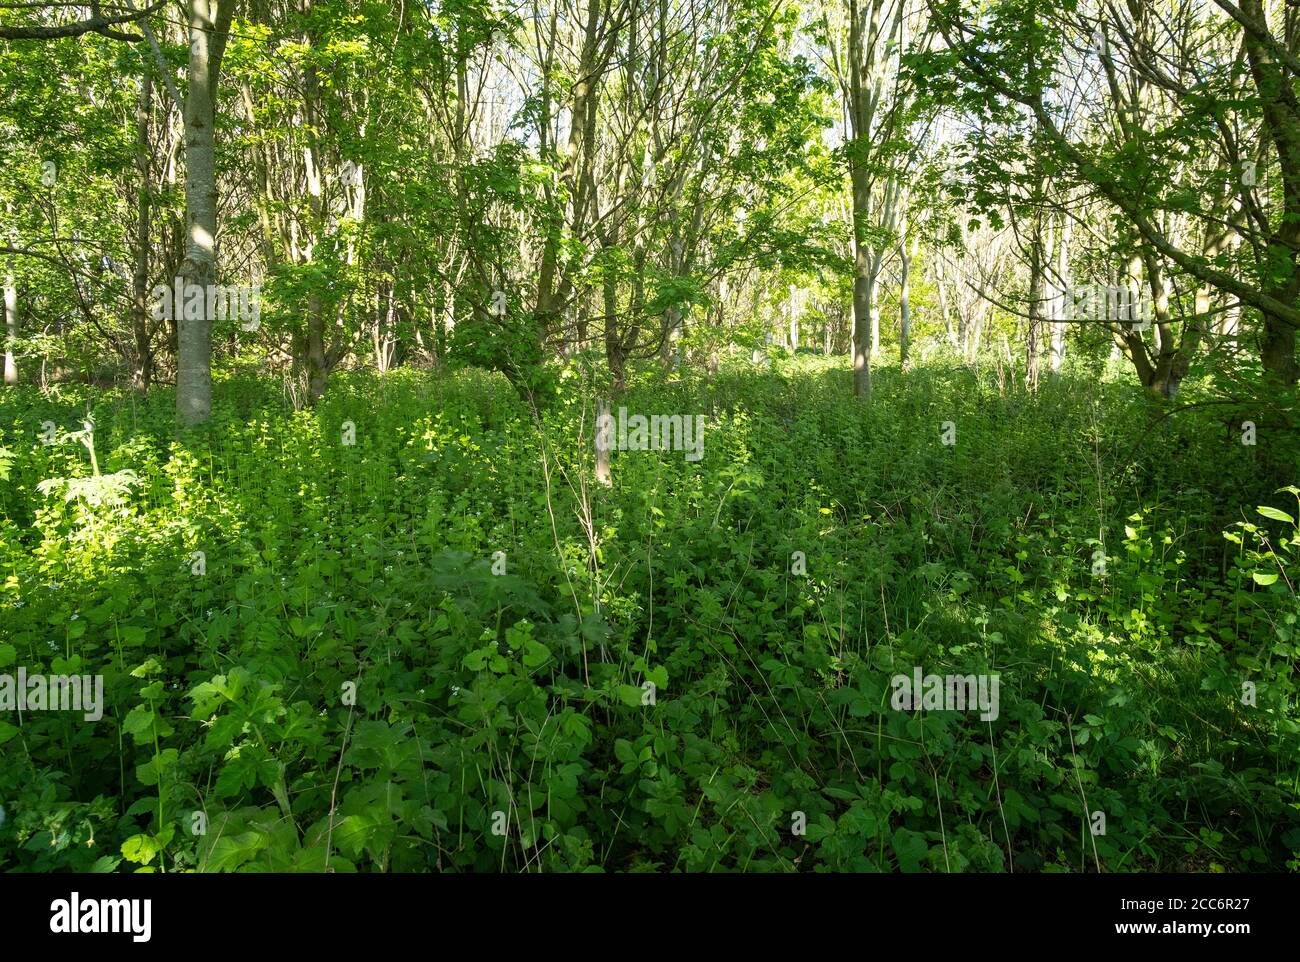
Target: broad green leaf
point(1275, 514)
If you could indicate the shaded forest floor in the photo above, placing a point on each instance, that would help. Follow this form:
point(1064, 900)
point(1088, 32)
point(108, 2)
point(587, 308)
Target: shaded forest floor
point(312, 658)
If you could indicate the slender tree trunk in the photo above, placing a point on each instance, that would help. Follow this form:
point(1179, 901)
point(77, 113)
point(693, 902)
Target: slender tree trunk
point(1229, 322)
point(317, 355)
point(949, 329)
point(614, 357)
point(876, 264)
point(602, 449)
point(208, 29)
point(1062, 288)
point(445, 320)
point(1035, 304)
point(142, 376)
point(11, 323)
point(905, 304)
point(794, 319)
point(863, 274)
point(863, 298)
point(317, 368)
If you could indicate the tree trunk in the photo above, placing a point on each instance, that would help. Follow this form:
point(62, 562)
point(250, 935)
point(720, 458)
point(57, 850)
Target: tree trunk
point(1277, 350)
point(864, 283)
point(863, 275)
point(1062, 287)
point(949, 329)
point(1035, 304)
point(794, 319)
point(1280, 113)
point(904, 304)
point(614, 356)
point(317, 368)
point(602, 448)
point(11, 324)
point(208, 29)
point(142, 376)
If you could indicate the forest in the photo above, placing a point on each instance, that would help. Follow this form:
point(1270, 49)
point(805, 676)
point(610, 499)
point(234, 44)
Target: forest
point(650, 436)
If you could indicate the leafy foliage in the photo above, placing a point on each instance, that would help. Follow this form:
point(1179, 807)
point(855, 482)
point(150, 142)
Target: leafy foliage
point(524, 693)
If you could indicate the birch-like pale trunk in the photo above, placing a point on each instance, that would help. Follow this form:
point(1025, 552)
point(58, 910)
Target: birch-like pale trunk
point(866, 60)
point(863, 275)
point(602, 449)
point(11, 323)
point(209, 27)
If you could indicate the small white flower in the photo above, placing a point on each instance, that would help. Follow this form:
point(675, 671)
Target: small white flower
point(74, 617)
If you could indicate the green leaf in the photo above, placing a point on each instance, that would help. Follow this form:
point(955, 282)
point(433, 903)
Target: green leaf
point(152, 771)
point(1275, 514)
point(352, 832)
point(1263, 578)
point(624, 751)
point(911, 848)
point(133, 635)
point(230, 851)
point(536, 654)
point(140, 849)
point(137, 724)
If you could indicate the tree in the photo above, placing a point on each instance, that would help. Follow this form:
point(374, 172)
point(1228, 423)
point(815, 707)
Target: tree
point(209, 30)
point(1010, 56)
